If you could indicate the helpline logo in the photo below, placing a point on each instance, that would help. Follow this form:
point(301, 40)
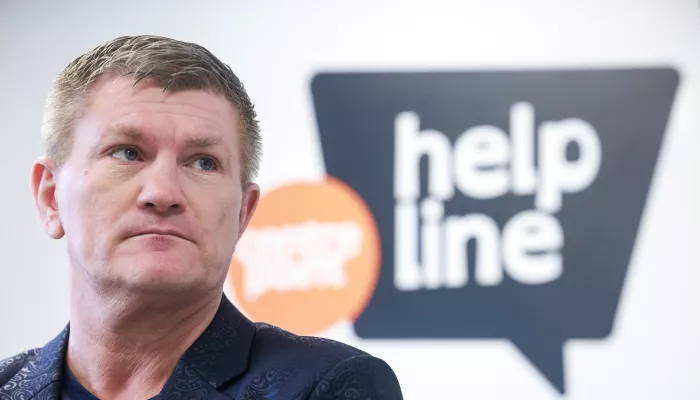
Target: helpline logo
point(507, 202)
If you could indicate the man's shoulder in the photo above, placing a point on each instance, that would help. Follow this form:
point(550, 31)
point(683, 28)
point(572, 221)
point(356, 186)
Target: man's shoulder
point(9, 367)
point(274, 340)
point(313, 367)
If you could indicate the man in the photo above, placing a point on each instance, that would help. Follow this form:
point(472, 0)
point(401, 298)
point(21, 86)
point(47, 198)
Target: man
point(152, 145)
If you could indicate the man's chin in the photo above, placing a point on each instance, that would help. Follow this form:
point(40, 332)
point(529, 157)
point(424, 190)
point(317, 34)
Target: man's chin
point(162, 285)
point(158, 278)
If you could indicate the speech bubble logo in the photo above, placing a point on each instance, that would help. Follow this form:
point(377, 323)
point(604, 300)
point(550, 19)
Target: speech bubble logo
point(507, 202)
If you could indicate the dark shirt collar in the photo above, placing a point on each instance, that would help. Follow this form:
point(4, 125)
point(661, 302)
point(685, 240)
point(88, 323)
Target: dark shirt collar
point(219, 355)
point(71, 389)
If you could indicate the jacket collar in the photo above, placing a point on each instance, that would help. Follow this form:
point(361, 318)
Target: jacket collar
point(219, 355)
point(221, 352)
point(41, 373)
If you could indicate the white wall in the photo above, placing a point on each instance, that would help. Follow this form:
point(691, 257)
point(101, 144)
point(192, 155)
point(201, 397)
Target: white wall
point(276, 47)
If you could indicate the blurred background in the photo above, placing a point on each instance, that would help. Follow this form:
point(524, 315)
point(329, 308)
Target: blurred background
point(560, 136)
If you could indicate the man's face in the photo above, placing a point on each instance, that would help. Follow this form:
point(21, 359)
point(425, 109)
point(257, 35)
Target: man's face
point(151, 196)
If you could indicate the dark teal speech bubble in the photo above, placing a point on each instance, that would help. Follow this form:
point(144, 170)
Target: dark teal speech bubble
point(508, 202)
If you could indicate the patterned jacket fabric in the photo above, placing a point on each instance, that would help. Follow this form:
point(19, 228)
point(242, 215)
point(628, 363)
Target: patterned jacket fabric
point(233, 359)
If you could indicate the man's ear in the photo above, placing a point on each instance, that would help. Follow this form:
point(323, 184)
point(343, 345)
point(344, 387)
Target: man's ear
point(251, 197)
point(44, 191)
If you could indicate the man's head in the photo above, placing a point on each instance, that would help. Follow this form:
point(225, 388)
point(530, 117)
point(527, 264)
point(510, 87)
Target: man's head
point(152, 145)
point(173, 65)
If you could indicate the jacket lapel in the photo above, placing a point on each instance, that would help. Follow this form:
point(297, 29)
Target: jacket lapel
point(219, 355)
point(40, 377)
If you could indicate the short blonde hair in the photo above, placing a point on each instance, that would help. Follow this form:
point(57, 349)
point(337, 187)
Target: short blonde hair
point(171, 64)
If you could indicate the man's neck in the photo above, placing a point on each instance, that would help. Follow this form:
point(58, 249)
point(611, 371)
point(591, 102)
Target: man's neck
point(127, 348)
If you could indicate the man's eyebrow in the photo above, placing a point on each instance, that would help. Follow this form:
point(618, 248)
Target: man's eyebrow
point(117, 131)
point(203, 141)
point(135, 135)
point(126, 131)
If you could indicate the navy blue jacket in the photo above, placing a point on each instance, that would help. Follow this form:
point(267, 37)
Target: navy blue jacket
point(233, 359)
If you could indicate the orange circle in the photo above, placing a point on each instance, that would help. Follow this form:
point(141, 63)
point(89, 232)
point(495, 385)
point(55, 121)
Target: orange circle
point(309, 257)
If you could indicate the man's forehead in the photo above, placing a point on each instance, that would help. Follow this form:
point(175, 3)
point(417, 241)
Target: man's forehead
point(141, 110)
point(112, 91)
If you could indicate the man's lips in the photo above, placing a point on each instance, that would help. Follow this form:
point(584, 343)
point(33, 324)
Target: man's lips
point(159, 231)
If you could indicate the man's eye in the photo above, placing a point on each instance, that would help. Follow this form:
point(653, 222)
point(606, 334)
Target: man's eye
point(205, 164)
point(127, 154)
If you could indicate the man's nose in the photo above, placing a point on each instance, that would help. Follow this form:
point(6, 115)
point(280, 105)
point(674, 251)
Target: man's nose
point(161, 192)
